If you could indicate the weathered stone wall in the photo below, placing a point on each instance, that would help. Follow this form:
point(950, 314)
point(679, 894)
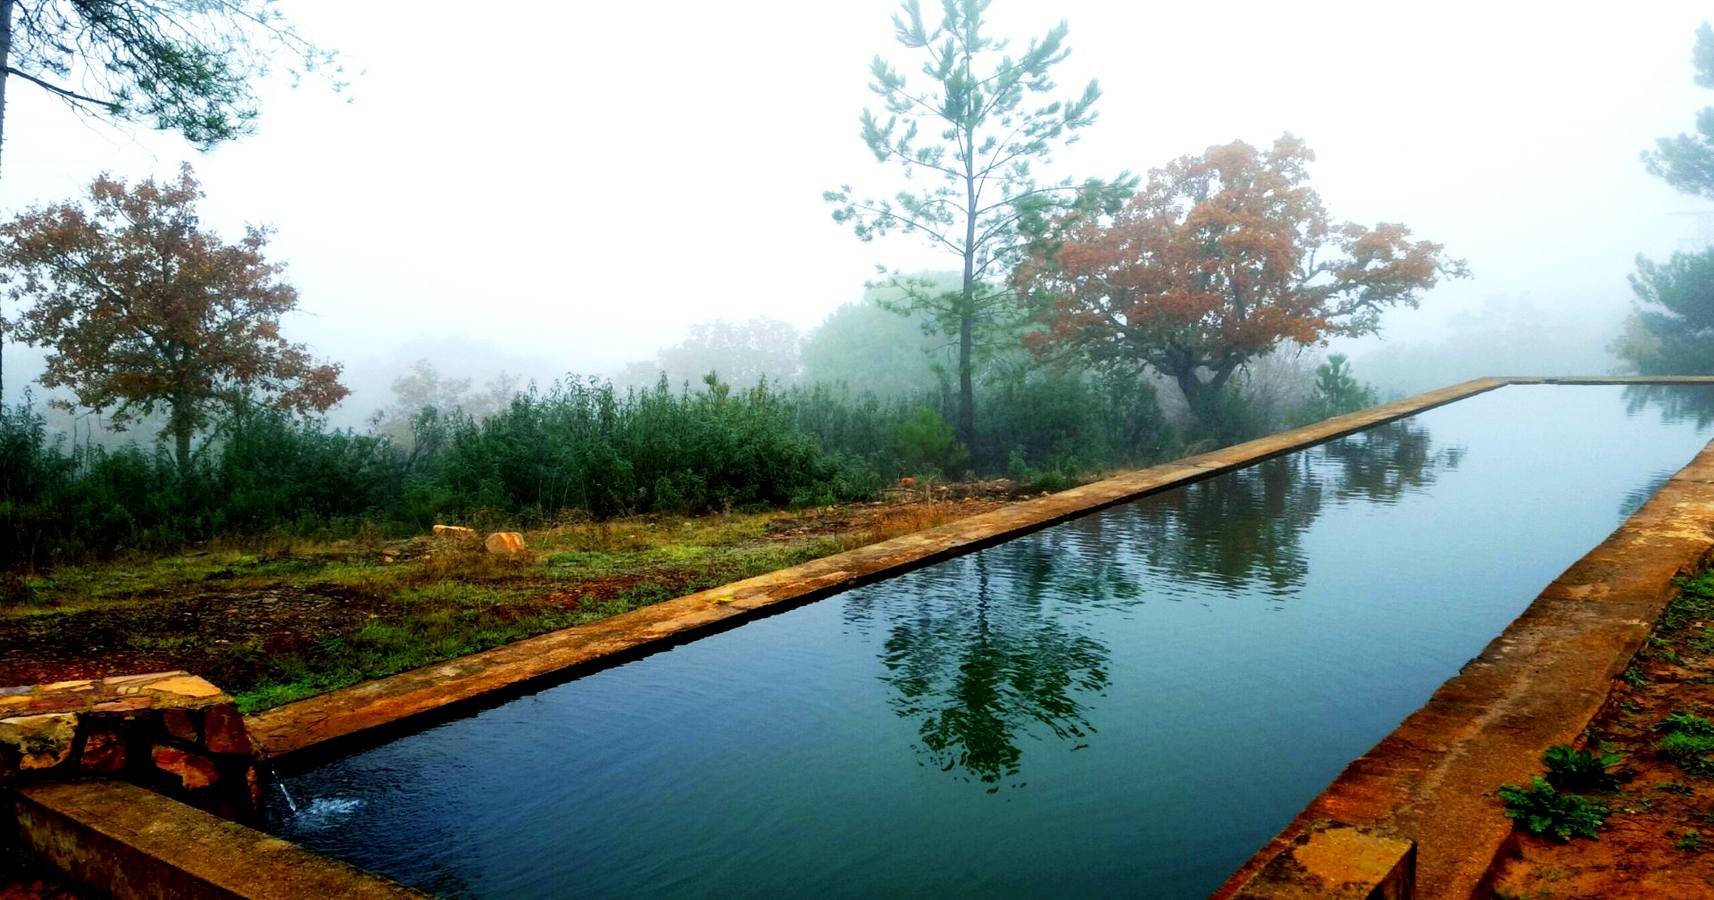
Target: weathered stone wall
point(170, 731)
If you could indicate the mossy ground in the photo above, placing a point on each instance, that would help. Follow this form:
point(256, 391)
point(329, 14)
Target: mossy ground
point(278, 621)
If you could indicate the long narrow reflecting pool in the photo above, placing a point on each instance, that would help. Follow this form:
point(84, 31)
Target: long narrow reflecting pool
point(1127, 704)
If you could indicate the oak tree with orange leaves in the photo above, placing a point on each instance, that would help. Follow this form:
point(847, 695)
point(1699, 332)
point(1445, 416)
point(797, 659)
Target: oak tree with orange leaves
point(144, 310)
point(1221, 258)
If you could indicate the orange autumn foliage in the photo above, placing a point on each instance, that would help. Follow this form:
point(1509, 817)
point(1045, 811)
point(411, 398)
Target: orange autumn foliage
point(1218, 259)
point(142, 309)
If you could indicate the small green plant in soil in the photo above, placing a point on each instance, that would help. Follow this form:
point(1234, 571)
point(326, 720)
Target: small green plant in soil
point(1690, 751)
point(1678, 788)
point(1695, 602)
point(1579, 770)
point(1540, 809)
point(1681, 722)
point(1688, 741)
point(1690, 841)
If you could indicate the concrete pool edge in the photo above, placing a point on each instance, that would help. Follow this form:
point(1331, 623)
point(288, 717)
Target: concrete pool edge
point(1431, 781)
point(128, 841)
point(329, 723)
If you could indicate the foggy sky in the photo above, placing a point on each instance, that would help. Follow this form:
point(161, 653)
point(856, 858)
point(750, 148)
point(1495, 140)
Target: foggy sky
point(570, 188)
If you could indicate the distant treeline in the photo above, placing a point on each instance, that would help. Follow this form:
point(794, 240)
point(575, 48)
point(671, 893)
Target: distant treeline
point(579, 448)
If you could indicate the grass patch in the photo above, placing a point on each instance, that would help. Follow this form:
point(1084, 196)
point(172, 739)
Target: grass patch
point(1690, 751)
point(1684, 722)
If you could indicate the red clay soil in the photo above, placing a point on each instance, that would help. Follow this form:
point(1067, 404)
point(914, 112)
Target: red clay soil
point(197, 633)
point(1646, 850)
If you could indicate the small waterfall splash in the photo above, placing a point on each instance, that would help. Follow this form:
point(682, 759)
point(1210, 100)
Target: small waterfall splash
point(274, 776)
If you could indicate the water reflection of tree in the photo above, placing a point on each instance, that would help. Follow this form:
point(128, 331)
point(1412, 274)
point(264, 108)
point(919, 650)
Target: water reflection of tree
point(1245, 528)
point(1238, 528)
point(1388, 461)
point(1675, 402)
point(985, 652)
point(982, 667)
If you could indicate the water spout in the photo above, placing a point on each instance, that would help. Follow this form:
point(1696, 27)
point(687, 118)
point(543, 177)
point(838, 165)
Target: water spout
point(274, 775)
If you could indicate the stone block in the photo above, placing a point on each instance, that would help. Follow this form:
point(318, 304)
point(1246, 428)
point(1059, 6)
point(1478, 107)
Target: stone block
point(41, 742)
point(1331, 859)
point(123, 705)
point(169, 730)
point(182, 686)
point(192, 770)
point(505, 543)
point(177, 722)
point(103, 752)
point(223, 730)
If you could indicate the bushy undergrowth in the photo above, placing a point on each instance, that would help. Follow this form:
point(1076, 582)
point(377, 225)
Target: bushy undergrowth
point(578, 448)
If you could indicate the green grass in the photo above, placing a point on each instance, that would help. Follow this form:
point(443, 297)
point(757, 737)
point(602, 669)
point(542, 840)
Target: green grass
point(1690, 751)
point(1684, 722)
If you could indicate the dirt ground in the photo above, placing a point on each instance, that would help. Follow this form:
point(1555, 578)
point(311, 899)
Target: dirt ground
point(273, 623)
point(1659, 839)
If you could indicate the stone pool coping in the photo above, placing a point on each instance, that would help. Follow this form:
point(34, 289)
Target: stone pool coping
point(126, 841)
point(1539, 683)
point(330, 723)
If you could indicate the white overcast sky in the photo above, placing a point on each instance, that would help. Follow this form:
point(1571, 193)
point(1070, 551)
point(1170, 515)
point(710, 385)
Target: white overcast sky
point(574, 184)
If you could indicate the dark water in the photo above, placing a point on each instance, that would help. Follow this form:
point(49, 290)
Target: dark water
point(1128, 704)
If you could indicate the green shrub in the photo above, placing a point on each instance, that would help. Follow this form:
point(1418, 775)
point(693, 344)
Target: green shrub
point(1539, 809)
point(926, 445)
point(1578, 770)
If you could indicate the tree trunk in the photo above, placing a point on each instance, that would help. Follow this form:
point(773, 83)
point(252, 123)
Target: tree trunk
point(181, 449)
point(1194, 391)
point(179, 423)
point(1202, 397)
point(5, 60)
point(966, 390)
point(967, 319)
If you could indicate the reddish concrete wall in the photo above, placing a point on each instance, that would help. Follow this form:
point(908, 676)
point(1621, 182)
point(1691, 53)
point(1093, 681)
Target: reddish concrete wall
point(128, 842)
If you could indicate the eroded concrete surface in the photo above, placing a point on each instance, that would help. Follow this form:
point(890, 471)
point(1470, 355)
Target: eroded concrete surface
point(1538, 684)
point(127, 842)
point(388, 702)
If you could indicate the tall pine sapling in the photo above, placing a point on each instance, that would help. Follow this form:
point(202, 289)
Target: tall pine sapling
point(972, 129)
